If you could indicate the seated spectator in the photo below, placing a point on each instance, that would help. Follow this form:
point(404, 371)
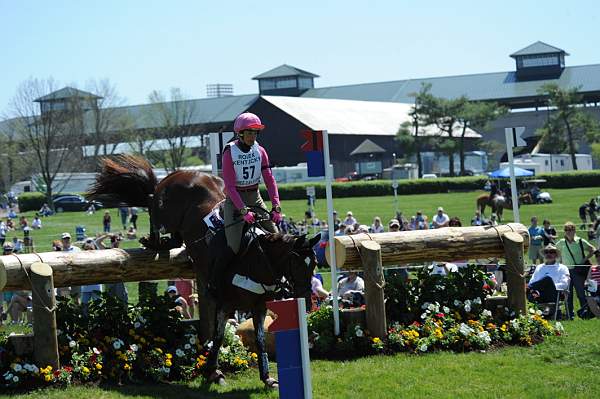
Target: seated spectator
point(441, 219)
point(131, 233)
point(12, 214)
point(65, 239)
point(455, 222)
point(8, 248)
point(336, 219)
point(10, 225)
point(351, 289)
point(377, 227)
point(23, 222)
point(45, 210)
point(318, 293)
point(420, 222)
point(349, 230)
point(181, 304)
point(478, 220)
point(548, 277)
point(20, 304)
point(394, 226)
point(17, 245)
point(362, 228)
point(57, 245)
point(350, 220)
point(89, 292)
point(36, 223)
point(116, 289)
point(91, 209)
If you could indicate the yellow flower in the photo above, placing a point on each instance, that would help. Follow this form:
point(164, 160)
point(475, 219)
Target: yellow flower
point(127, 366)
point(98, 366)
point(169, 356)
point(47, 377)
point(168, 363)
point(376, 340)
point(117, 353)
point(158, 350)
point(85, 370)
point(254, 355)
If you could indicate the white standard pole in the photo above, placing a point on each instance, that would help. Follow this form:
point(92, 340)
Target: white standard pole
point(304, 355)
point(329, 194)
point(513, 182)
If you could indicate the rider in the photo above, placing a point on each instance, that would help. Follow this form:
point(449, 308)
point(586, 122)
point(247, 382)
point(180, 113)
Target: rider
point(244, 162)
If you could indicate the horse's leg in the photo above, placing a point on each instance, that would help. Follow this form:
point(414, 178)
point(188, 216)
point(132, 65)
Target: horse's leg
point(258, 319)
point(212, 363)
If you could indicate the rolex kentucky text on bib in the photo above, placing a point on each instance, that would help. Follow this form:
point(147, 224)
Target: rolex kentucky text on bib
point(246, 165)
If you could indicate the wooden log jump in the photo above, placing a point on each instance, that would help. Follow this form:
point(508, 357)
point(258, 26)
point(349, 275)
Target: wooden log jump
point(100, 266)
point(444, 245)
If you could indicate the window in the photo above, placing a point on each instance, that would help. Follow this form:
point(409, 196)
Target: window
point(527, 61)
point(305, 83)
point(562, 162)
point(278, 83)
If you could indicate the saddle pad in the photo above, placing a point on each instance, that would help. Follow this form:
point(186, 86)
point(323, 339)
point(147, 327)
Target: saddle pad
point(248, 284)
point(213, 220)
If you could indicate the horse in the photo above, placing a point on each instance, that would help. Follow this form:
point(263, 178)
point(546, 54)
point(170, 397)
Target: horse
point(177, 205)
point(498, 203)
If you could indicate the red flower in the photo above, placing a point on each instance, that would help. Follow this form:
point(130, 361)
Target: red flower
point(56, 373)
point(440, 315)
point(416, 324)
point(68, 369)
point(486, 287)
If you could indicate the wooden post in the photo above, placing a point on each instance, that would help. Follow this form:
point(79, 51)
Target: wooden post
point(515, 271)
point(374, 282)
point(45, 342)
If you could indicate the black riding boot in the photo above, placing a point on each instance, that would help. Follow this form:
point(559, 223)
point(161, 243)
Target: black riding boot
point(220, 265)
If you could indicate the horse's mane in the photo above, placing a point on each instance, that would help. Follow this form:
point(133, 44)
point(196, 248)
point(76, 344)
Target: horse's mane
point(124, 178)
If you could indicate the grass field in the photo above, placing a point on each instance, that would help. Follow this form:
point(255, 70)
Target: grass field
point(561, 367)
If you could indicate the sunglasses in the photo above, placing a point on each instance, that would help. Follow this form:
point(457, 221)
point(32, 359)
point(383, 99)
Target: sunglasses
point(566, 230)
point(550, 253)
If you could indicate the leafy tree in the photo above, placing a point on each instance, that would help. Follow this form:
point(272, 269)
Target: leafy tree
point(568, 124)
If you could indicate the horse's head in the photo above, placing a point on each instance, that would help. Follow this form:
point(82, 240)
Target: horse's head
point(300, 266)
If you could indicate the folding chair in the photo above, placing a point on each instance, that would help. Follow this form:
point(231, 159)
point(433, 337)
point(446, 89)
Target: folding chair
point(561, 296)
point(592, 286)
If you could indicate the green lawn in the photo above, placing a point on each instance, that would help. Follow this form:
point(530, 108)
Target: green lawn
point(561, 367)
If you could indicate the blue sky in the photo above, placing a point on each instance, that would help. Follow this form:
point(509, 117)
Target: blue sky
point(141, 46)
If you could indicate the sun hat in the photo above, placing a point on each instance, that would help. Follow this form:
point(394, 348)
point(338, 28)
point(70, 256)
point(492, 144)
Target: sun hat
point(65, 235)
point(349, 213)
point(440, 209)
point(394, 222)
point(247, 120)
point(551, 247)
point(172, 288)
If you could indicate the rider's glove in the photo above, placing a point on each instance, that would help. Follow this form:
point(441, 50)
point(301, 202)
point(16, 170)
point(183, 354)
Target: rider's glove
point(249, 217)
point(276, 217)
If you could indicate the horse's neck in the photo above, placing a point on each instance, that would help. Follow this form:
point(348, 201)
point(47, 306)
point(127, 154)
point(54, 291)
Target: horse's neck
point(262, 267)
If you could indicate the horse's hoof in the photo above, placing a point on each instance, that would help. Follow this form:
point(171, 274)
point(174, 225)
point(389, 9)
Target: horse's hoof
point(271, 383)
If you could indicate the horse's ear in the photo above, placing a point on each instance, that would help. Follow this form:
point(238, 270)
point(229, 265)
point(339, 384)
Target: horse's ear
point(314, 240)
point(300, 241)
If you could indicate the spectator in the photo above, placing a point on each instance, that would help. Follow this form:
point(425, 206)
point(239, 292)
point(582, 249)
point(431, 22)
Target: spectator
point(3, 230)
point(352, 289)
point(420, 222)
point(91, 209)
point(377, 227)
point(185, 289)
point(36, 223)
point(548, 277)
point(8, 248)
point(17, 245)
point(23, 222)
point(583, 210)
point(116, 289)
point(106, 222)
point(57, 245)
point(349, 230)
point(441, 219)
point(394, 226)
point(181, 304)
point(124, 213)
point(477, 219)
point(405, 225)
point(134, 216)
point(596, 229)
point(336, 219)
point(74, 291)
point(12, 214)
point(536, 239)
point(362, 228)
point(10, 225)
point(455, 222)
point(573, 251)
point(45, 210)
point(549, 233)
point(131, 233)
point(350, 220)
point(89, 292)
point(592, 209)
point(20, 303)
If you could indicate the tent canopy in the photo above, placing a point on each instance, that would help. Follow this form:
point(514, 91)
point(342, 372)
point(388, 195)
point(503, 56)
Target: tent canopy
point(505, 172)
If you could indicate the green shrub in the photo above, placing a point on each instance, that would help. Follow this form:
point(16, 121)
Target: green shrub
point(31, 201)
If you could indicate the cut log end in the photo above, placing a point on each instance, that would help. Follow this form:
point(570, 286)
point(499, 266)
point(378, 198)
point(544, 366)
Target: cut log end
point(41, 269)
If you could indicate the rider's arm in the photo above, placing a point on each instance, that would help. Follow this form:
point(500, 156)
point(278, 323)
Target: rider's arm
point(229, 179)
point(268, 177)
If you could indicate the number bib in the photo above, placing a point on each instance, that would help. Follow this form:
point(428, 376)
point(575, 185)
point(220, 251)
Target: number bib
point(246, 165)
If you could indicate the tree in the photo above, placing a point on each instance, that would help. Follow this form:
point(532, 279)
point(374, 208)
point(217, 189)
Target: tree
point(568, 123)
point(13, 166)
point(51, 132)
point(475, 115)
point(174, 122)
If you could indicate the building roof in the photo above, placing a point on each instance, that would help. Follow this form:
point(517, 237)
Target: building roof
point(497, 86)
point(350, 117)
point(284, 70)
point(66, 92)
point(367, 147)
point(538, 48)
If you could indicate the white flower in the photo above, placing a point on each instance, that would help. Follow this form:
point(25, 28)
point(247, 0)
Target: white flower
point(423, 348)
point(559, 327)
point(486, 313)
point(446, 309)
point(467, 307)
point(133, 347)
point(224, 350)
point(95, 350)
point(141, 319)
point(15, 379)
point(538, 312)
point(532, 310)
point(179, 353)
point(58, 331)
point(485, 337)
point(359, 332)
point(465, 329)
point(192, 340)
point(515, 324)
point(27, 366)
point(117, 345)
point(431, 307)
point(137, 324)
point(424, 316)
point(17, 367)
point(477, 301)
point(34, 368)
point(468, 302)
point(7, 376)
point(456, 302)
point(72, 344)
point(425, 305)
point(209, 345)
point(187, 346)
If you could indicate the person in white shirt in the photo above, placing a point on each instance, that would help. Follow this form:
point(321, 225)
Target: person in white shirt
point(441, 219)
point(351, 284)
point(350, 220)
point(36, 223)
point(377, 227)
point(548, 277)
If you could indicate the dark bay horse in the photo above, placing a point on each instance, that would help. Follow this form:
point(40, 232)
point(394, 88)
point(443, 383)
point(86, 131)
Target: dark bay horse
point(498, 203)
point(177, 205)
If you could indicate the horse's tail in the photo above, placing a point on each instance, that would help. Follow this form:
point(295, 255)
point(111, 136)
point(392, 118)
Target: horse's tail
point(125, 178)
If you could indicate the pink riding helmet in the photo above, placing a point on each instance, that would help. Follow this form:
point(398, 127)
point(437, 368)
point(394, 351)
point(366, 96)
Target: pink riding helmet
point(247, 120)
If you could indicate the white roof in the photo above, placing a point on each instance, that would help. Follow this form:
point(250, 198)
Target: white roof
point(350, 116)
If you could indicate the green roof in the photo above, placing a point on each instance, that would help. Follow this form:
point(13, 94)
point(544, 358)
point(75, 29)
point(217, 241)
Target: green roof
point(66, 92)
point(496, 86)
point(284, 70)
point(367, 147)
point(538, 48)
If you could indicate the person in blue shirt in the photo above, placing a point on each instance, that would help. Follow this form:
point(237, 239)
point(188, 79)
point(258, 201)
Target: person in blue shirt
point(536, 240)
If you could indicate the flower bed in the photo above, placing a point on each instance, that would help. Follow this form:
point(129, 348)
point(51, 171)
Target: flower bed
point(120, 344)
